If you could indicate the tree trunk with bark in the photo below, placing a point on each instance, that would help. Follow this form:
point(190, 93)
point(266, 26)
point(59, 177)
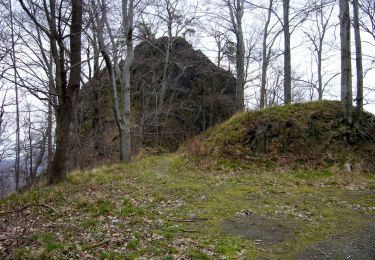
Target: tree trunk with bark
point(62, 135)
point(14, 64)
point(67, 63)
point(50, 118)
point(67, 91)
point(164, 80)
point(358, 53)
point(265, 59)
point(240, 63)
point(128, 31)
point(121, 108)
point(346, 69)
point(236, 10)
point(287, 56)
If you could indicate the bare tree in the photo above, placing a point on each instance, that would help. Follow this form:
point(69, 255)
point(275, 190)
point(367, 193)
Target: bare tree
point(34, 144)
point(122, 115)
point(317, 34)
point(221, 39)
point(5, 47)
point(346, 69)
point(33, 64)
point(267, 52)
point(177, 19)
point(368, 22)
point(67, 64)
point(358, 53)
point(5, 144)
point(127, 24)
point(287, 56)
point(236, 11)
point(6, 149)
point(13, 58)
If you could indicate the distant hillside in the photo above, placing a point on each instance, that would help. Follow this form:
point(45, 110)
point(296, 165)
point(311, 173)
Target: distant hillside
point(308, 135)
point(199, 95)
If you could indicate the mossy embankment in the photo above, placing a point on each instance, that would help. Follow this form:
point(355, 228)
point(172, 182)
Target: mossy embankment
point(308, 135)
point(170, 207)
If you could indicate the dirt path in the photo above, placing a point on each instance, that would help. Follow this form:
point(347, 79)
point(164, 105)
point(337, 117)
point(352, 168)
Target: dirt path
point(359, 245)
point(267, 231)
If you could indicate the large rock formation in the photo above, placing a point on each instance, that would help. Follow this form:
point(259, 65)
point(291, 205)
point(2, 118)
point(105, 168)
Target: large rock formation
point(199, 95)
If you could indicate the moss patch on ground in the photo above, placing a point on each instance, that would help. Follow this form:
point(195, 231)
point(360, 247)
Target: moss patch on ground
point(166, 207)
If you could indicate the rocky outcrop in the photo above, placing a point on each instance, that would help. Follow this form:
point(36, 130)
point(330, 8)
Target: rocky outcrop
point(199, 95)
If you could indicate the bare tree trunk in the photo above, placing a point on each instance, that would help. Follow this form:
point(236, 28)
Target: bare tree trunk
point(49, 139)
point(358, 53)
point(122, 117)
point(68, 92)
point(219, 55)
point(50, 120)
point(164, 81)
point(170, 12)
point(240, 62)
point(67, 63)
point(320, 76)
point(31, 150)
point(115, 102)
point(287, 57)
point(236, 10)
point(265, 59)
point(13, 56)
point(59, 163)
point(317, 36)
point(127, 8)
point(346, 69)
point(320, 50)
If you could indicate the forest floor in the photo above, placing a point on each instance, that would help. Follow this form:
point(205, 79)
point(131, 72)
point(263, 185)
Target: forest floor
point(167, 207)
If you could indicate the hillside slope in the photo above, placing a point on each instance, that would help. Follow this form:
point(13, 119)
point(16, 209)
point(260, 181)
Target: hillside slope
point(170, 207)
point(308, 135)
point(166, 207)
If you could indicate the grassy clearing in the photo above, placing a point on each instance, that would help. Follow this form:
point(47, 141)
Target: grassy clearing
point(165, 207)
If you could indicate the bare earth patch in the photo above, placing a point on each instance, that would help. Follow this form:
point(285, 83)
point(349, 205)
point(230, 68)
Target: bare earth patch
point(264, 230)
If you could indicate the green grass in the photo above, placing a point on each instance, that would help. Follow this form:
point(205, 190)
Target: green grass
point(48, 240)
point(163, 207)
point(138, 209)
